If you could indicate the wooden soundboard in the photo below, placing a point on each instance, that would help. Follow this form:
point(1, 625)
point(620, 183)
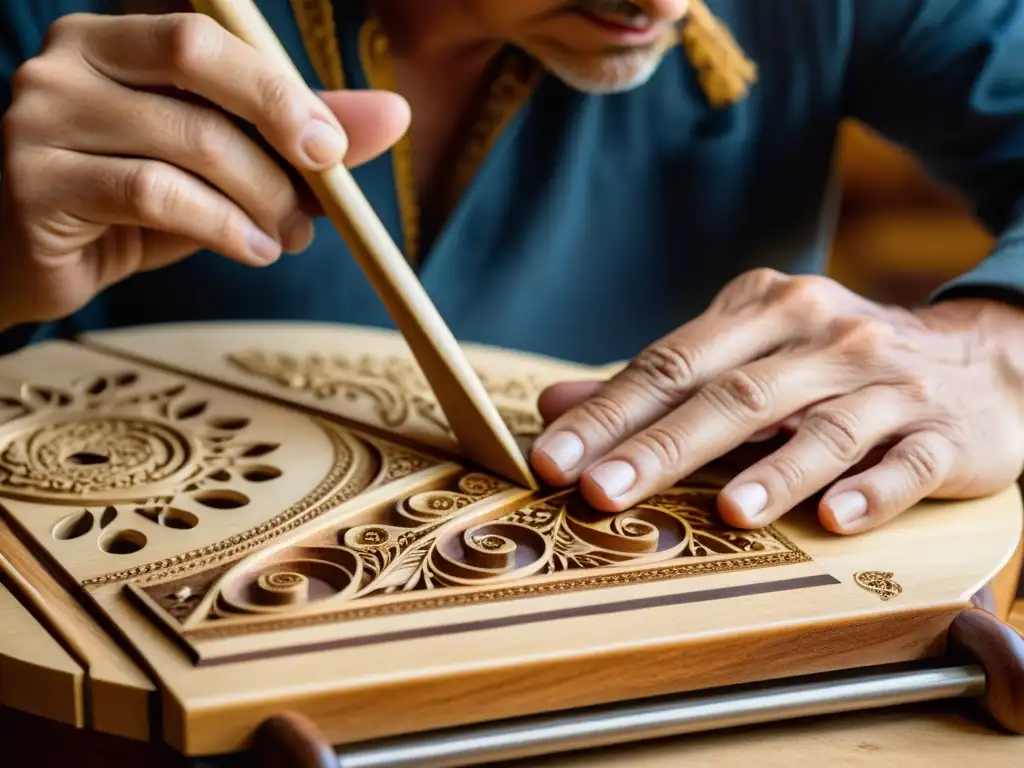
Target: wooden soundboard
point(215, 536)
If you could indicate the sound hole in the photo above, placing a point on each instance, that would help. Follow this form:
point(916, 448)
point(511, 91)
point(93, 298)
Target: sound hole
point(261, 474)
point(87, 459)
point(123, 542)
point(222, 499)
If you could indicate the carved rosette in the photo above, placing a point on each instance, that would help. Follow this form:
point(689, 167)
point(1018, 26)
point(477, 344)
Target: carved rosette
point(137, 463)
point(127, 456)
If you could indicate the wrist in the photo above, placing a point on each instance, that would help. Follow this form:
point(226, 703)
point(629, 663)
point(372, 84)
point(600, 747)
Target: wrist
point(988, 329)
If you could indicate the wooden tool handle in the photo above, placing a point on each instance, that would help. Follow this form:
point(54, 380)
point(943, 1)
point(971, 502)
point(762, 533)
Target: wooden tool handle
point(472, 416)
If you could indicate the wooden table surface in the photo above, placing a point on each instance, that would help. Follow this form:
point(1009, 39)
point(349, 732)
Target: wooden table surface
point(930, 736)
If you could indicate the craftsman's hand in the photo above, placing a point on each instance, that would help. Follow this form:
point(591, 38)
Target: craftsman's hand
point(122, 153)
point(885, 407)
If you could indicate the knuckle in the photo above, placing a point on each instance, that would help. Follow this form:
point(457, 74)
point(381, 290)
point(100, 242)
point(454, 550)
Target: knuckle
point(740, 394)
point(837, 430)
point(921, 460)
point(666, 443)
point(606, 414)
point(919, 390)
point(33, 75)
point(749, 288)
point(863, 339)
point(760, 280)
point(192, 41)
point(807, 299)
point(670, 369)
point(789, 473)
point(280, 199)
point(63, 28)
point(205, 137)
point(149, 191)
point(278, 98)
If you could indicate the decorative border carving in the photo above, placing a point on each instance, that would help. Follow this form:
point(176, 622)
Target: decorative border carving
point(618, 578)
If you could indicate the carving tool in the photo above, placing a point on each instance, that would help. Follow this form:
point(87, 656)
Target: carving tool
point(483, 436)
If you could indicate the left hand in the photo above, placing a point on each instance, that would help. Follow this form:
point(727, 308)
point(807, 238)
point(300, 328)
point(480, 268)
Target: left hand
point(886, 406)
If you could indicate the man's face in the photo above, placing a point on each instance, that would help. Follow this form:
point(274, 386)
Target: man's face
point(597, 46)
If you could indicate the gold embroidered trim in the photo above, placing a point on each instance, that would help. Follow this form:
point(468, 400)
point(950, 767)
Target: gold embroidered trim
point(319, 35)
point(726, 74)
point(374, 47)
point(518, 76)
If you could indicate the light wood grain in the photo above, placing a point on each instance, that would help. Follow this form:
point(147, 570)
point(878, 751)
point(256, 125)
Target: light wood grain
point(482, 435)
point(420, 616)
point(118, 690)
point(37, 675)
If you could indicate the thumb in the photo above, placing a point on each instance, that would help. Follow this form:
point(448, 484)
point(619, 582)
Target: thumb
point(373, 120)
point(564, 396)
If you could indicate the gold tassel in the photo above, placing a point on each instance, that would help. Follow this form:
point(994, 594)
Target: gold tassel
point(726, 74)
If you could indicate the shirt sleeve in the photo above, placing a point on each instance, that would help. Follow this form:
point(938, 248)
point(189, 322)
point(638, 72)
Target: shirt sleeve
point(945, 79)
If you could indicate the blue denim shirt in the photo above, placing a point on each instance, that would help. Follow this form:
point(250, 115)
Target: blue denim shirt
point(595, 224)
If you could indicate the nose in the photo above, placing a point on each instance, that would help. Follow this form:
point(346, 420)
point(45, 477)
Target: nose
point(664, 10)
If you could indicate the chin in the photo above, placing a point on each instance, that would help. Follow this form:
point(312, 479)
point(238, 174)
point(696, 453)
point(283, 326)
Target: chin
point(611, 74)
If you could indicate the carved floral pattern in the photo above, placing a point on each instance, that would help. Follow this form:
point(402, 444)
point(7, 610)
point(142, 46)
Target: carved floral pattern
point(156, 456)
point(392, 385)
point(137, 462)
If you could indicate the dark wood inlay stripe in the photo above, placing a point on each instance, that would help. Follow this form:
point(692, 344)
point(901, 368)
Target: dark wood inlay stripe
point(618, 606)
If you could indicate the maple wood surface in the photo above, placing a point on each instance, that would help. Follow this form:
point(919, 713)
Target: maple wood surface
point(245, 507)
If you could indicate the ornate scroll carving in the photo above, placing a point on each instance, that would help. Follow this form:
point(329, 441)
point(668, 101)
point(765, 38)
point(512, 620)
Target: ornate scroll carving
point(392, 386)
point(440, 542)
point(317, 572)
point(879, 582)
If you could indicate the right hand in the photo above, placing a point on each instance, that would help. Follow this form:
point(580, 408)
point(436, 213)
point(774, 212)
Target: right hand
point(120, 156)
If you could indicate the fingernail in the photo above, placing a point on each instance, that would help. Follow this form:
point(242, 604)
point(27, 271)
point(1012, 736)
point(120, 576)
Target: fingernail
point(614, 478)
point(564, 449)
point(751, 498)
point(847, 507)
point(297, 232)
point(323, 144)
point(263, 247)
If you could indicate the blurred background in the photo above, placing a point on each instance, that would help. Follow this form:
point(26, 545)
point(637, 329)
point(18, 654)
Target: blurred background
point(900, 234)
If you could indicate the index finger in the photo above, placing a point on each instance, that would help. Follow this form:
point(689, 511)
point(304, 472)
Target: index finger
point(656, 382)
point(193, 52)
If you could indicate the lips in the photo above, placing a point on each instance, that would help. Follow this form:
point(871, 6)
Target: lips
point(618, 21)
point(635, 31)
